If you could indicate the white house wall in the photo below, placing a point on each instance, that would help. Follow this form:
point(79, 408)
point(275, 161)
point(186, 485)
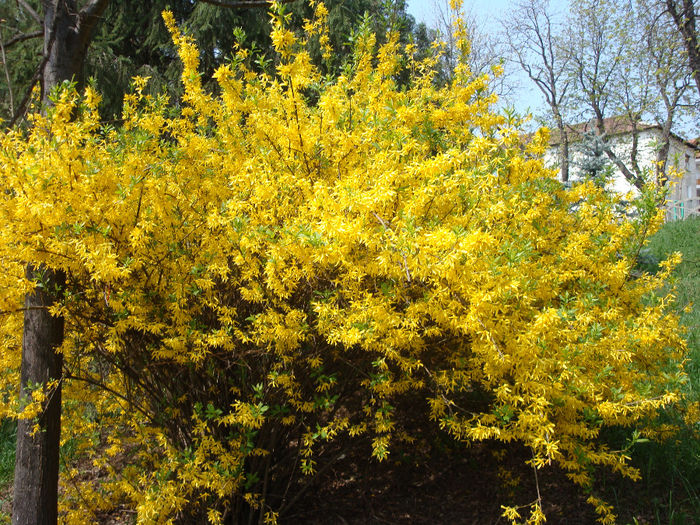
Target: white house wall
point(681, 157)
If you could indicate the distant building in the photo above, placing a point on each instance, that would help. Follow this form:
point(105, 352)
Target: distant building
point(684, 196)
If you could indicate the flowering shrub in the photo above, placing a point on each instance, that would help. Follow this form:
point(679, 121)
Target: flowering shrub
point(260, 272)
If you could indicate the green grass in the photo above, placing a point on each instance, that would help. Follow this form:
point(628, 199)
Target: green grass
point(671, 470)
point(684, 237)
point(8, 430)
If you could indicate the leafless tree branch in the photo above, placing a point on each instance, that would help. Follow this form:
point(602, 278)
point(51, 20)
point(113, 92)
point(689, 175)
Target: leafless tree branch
point(22, 108)
point(29, 9)
point(534, 41)
point(244, 4)
point(7, 75)
point(23, 37)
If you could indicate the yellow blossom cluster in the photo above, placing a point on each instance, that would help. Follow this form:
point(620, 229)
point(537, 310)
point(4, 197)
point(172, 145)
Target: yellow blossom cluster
point(260, 273)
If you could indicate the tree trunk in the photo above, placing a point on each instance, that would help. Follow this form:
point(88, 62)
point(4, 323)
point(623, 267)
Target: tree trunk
point(36, 462)
point(67, 33)
point(563, 144)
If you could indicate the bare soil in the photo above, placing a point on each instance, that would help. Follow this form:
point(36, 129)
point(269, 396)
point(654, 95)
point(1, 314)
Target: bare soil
point(465, 488)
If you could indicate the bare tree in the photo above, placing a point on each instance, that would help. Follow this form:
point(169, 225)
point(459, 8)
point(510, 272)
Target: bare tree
point(684, 16)
point(535, 45)
point(599, 46)
point(485, 50)
point(625, 67)
point(611, 67)
point(671, 78)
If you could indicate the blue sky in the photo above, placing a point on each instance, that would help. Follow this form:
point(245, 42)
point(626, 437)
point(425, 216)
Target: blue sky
point(489, 13)
point(490, 9)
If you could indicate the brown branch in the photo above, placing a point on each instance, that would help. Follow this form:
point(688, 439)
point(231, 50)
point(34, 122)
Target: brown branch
point(88, 18)
point(28, 95)
point(7, 77)
point(26, 309)
point(31, 11)
point(23, 37)
point(245, 4)
point(130, 403)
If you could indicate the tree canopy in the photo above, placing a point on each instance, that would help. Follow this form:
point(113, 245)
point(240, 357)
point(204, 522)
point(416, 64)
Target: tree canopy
point(606, 62)
point(129, 41)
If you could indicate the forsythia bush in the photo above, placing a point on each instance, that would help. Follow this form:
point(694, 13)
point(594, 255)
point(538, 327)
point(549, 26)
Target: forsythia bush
point(256, 274)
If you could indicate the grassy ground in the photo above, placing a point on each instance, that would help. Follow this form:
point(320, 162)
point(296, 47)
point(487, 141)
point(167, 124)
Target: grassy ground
point(7, 451)
point(672, 470)
point(7, 465)
point(684, 236)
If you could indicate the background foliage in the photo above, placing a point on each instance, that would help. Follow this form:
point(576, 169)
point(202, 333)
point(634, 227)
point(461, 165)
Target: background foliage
point(128, 43)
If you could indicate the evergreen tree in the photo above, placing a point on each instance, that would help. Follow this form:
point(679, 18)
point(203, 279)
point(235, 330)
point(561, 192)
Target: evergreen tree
point(131, 40)
point(593, 164)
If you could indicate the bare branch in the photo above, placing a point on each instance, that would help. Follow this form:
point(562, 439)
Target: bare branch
point(23, 37)
point(7, 76)
point(28, 95)
point(93, 9)
point(244, 4)
point(685, 20)
point(31, 11)
point(533, 38)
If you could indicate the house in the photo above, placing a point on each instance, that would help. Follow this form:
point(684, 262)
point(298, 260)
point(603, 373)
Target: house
point(586, 156)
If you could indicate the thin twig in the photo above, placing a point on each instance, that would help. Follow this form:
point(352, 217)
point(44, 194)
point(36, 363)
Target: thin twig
point(7, 76)
point(493, 341)
point(26, 309)
point(30, 10)
point(306, 485)
point(130, 403)
point(244, 4)
point(24, 36)
point(402, 253)
point(537, 482)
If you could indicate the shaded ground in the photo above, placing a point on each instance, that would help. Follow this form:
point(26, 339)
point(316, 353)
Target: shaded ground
point(469, 488)
point(453, 489)
point(447, 490)
point(450, 485)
